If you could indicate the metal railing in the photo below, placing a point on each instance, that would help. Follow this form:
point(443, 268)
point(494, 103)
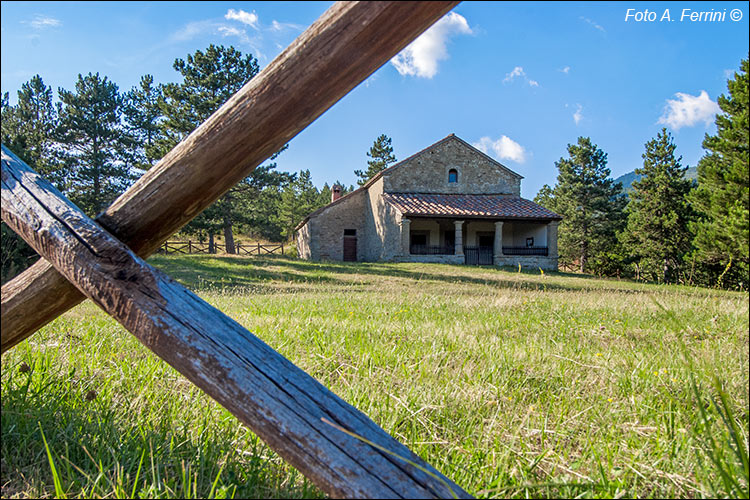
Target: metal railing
point(525, 250)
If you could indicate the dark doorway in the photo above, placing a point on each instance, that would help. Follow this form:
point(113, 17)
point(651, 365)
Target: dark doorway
point(418, 239)
point(450, 239)
point(482, 254)
point(486, 241)
point(350, 245)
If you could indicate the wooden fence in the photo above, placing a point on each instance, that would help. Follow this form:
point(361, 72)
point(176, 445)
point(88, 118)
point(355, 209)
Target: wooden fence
point(337, 447)
point(197, 247)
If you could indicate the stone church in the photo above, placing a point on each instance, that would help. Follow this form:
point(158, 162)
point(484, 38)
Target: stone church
point(449, 203)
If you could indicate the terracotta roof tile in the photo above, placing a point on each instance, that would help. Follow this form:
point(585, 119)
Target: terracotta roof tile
point(468, 205)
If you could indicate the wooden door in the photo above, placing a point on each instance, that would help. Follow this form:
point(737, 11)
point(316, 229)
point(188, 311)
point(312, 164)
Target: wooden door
point(350, 248)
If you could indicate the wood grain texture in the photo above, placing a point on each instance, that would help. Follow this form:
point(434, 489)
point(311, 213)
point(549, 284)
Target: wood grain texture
point(347, 44)
point(277, 400)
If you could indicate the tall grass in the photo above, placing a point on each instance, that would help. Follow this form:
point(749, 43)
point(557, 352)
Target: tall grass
point(511, 383)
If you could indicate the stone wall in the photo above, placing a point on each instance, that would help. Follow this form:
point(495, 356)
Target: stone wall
point(383, 224)
point(433, 259)
point(428, 172)
point(528, 262)
point(325, 231)
point(303, 242)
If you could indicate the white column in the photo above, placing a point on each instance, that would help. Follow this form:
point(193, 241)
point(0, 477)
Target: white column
point(405, 236)
point(498, 249)
point(459, 237)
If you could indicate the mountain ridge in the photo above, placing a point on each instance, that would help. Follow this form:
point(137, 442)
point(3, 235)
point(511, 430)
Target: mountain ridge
point(627, 179)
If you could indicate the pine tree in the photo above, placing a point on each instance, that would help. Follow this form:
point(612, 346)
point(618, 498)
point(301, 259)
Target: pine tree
point(96, 144)
point(381, 153)
point(28, 129)
point(545, 197)
point(258, 201)
point(210, 78)
point(658, 212)
point(721, 199)
point(591, 206)
point(142, 114)
point(298, 199)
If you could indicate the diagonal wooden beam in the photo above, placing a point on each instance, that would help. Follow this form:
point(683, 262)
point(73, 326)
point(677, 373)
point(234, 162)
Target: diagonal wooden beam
point(281, 403)
point(342, 48)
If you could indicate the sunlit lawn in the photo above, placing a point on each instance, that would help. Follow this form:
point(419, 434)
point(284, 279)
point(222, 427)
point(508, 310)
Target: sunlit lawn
point(512, 384)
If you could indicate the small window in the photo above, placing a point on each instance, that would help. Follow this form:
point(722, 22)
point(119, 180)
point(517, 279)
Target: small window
point(529, 242)
point(452, 175)
point(350, 232)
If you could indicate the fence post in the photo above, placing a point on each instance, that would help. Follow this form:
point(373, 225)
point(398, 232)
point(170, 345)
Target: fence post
point(190, 247)
point(282, 249)
point(258, 249)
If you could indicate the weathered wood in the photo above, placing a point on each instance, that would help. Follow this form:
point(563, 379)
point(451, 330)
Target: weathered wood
point(278, 401)
point(342, 48)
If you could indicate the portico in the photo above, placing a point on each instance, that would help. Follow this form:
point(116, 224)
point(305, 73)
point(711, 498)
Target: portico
point(478, 241)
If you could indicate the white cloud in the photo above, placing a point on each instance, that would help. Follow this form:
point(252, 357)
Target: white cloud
point(578, 116)
point(277, 26)
point(249, 18)
point(229, 31)
point(565, 70)
point(504, 148)
point(212, 28)
point(519, 72)
point(41, 22)
point(687, 110)
point(421, 57)
point(593, 23)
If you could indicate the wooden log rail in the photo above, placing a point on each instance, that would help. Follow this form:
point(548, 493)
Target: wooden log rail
point(281, 403)
point(259, 249)
point(185, 247)
point(343, 47)
point(196, 247)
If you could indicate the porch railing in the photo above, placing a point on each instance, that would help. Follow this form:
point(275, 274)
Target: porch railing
point(432, 250)
point(525, 251)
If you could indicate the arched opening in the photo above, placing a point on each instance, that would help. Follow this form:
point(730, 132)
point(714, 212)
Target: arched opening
point(452, 176)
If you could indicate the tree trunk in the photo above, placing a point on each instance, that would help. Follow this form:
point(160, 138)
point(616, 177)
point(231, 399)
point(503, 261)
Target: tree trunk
point(228, 237)
point(211, 245)
point(584, 255)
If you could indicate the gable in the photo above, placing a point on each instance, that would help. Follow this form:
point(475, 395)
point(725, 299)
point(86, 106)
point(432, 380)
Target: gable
point(428, 172)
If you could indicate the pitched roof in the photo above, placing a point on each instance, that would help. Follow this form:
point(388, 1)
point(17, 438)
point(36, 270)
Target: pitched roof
point(468, 205)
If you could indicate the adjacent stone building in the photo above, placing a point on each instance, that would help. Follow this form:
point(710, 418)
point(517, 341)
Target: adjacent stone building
point(448, 203)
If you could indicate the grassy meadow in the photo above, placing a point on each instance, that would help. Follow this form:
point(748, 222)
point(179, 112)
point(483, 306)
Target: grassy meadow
point(521, 384)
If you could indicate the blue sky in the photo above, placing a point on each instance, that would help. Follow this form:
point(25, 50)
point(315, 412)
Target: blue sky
point(520, 80)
